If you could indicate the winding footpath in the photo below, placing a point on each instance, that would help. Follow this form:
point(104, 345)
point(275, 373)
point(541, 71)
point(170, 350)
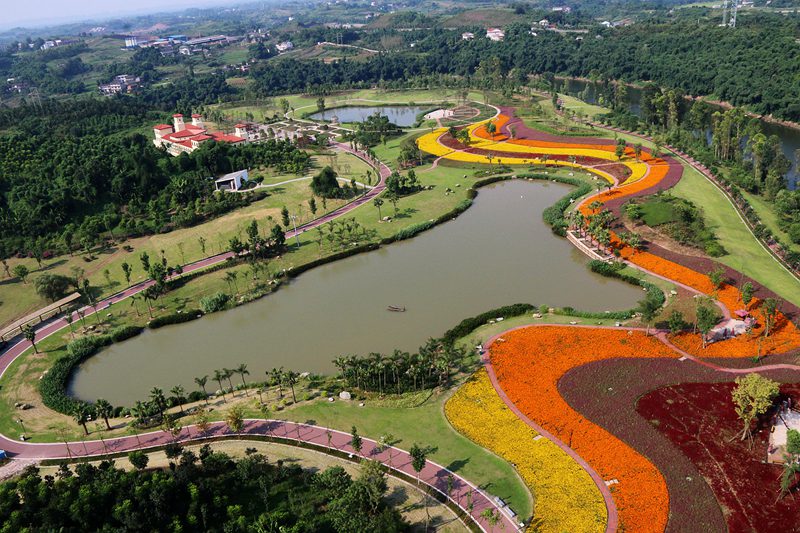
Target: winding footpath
point(471, 500)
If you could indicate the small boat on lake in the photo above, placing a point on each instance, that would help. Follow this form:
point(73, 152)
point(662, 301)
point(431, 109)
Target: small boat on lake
point(396, 308)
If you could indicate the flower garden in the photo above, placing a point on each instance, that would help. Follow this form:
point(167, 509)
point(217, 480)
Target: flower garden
point(555, 480)
point(581, 384)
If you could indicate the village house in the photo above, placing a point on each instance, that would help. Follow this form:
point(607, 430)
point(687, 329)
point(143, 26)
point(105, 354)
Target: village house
point(495, 34)
point(186, 138)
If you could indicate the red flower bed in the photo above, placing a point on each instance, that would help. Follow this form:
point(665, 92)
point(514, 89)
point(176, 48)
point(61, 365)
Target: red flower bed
point(699, 419)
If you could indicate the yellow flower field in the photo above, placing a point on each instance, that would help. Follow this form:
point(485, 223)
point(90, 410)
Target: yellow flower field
point(430, 143)
point(566, 498)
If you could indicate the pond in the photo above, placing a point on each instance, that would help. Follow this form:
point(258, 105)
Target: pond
point(498, 252)
point(401, 115)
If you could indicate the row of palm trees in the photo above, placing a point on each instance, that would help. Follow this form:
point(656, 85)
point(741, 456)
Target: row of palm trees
point(402, 371)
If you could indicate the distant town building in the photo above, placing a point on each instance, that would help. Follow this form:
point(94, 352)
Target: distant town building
point(562, 9)
point(181, 137)
point(55, 43)
point(285, 46)
point(232, 181)
point(124, 83)
point(467, 36)
point(495, 34)
point(131, 42)
point(544, 23)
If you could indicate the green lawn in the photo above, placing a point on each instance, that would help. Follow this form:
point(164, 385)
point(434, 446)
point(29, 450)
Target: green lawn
point(426, 425)
point(657, 212)
point(745, 253)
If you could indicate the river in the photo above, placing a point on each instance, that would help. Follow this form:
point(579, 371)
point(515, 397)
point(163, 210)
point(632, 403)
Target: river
point(790, 137)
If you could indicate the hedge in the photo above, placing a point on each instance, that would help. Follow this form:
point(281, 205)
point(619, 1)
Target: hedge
point(468, 325)
point(125, 332)
point(53, 385)
point(177, 318)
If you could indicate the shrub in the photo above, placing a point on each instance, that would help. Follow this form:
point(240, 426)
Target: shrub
point(466, 326)
point(53, 385)
point(125, 332)
point(176, 318)
point(212, 304)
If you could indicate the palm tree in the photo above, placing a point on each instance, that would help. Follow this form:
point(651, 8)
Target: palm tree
point(141, 411)
point(177, 391)
point(230, 278)
point(103, 409)
point(227, 373)
point(30, 336)
point(218, 377)
point(81, 416)
point(242, 371)
point(377, 202)
point(157, 397)
point(277, 377)
point(201, 382)
point(291, 380)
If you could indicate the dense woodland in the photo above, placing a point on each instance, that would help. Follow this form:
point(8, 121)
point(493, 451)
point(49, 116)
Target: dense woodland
point(205, 492)
point(705, 60)
point(67, 175)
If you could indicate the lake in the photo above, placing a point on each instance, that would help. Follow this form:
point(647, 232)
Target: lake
point(498, 252)
point(401, 115)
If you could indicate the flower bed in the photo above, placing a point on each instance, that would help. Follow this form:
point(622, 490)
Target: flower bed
point(557, 482)
point(530, 361)
point(700, 420)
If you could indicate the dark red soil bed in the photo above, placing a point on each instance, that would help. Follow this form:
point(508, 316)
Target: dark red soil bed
point(700, 420)
point(606, 393)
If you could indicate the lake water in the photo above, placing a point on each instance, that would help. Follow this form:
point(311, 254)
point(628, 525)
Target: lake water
point(498, 252)
point(402, 115)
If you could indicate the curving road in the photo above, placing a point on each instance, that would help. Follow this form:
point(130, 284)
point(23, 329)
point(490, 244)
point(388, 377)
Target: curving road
point(469, 498)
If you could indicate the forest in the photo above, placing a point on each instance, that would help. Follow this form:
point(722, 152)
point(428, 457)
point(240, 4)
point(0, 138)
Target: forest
point(705, 60)
point(76, 171)
point(208, 491)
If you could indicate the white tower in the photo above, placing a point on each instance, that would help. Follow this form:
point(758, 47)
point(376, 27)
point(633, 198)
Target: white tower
point(240, 130)
point(177, 120)
point(197, 120)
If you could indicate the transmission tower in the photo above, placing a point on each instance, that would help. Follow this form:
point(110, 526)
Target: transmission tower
point(734, 9)
point(34, 97)
point(725, 13)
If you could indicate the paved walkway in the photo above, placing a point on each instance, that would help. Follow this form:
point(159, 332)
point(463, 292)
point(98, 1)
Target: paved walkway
point(50, 327)
point(433, 475)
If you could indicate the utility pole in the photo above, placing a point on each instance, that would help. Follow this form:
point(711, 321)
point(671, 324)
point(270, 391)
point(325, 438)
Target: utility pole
point(294, 221)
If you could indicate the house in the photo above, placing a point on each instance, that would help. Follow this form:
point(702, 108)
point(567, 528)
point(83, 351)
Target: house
point(232, 181)
point(123, 83)
point(544, 23)
point(180, 137)
point(495, 34)
point(284, 46)
point(467, 36)
point(131, 42)
point(185, 50)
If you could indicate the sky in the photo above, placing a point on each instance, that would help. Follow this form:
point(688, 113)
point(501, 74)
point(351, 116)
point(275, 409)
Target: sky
point(32, 13)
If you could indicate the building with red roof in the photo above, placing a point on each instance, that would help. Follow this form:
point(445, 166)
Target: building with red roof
point(186, 138)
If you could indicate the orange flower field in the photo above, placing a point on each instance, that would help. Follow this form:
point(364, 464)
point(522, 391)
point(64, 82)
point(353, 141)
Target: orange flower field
point(529, 362)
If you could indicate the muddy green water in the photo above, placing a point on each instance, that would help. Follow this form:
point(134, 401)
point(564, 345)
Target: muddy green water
point(499, 252)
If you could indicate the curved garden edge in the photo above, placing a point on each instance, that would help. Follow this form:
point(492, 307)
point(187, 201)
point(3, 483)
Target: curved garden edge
point(467, 500)
point(613, 516)
point(551, 214)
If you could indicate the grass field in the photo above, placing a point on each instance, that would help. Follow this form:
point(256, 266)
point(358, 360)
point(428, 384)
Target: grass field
point(745, 253)
point(180, 246)
point(657, 212)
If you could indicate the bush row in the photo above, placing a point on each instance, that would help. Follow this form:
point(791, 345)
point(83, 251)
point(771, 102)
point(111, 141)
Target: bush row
point(466, 326)
point(53, 385)
point(176, 318)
